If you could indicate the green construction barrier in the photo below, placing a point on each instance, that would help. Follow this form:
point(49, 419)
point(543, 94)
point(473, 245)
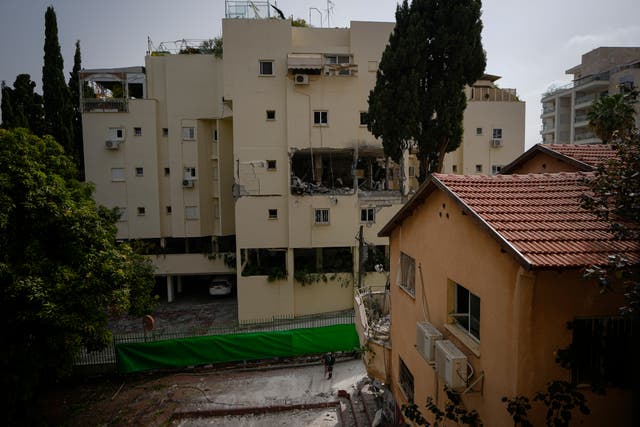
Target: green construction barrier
point(176, 353)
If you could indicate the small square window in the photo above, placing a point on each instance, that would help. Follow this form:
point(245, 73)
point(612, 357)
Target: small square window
point(141, 211)
point(273, 213)
point(454, 168)
point(168, 208)
point(478, 168)
point(167, 171)
point(367, 215)
point(117, 174)
point(271, 165)
point(189, 173)
point(497, 133)
point(271, 114)
point(478, 131)
point(266, 68)
point(165, 131)
point(191, 212)
point(322, 216)
point(364, 118)
point(137, 131)
point(320, 118)
point(116, 134)
point(139, 171)
point(189, 133)
point(496, 169)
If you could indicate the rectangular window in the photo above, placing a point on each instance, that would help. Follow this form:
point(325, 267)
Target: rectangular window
point(139, 171)
point(122, 214)
point(271, 114)
point(190, 174)
point(137, 131)
point(117, 174)
point(320, 118)
point(215, 135)
point(266, 68)
point(454, 168)
point(478, 168)
point(116, 134)
point(337, 59)
point(167, 171)
point(364, 118)
point(407, 273)
point(188, 133)
point(496, 169)
point(467, 311)
point(271, 165)
point(367, 214)
point(412, 171)
point(322, 216)
point(141, 211)
point(273, 213)
point(165, 131)
point(191, 212)
point(497, 133)
point(406, 381)
point(478, 131)
point(168, 209)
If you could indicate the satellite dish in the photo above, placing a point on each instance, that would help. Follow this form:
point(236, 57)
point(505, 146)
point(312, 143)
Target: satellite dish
point(148, 322)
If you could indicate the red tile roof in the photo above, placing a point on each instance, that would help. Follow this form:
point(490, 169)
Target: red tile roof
point(537, 217)
point(586, 157)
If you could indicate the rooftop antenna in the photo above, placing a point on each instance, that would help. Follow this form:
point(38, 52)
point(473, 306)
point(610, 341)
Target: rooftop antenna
point(329, 10)
point(317, 10)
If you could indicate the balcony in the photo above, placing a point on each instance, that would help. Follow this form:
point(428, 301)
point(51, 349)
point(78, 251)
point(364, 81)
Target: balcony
point(107, 105)
point(493, 94)
point(601, 79)
point(548, 109)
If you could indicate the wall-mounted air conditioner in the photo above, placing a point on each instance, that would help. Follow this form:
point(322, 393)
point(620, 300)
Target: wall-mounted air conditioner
point(451, 364)
point(426, 337)
point(301, 79)
point(187, 183)
point(111, 145)
point(495, 143)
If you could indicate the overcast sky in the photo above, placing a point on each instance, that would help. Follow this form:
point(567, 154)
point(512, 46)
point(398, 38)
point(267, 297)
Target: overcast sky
point(529, 43)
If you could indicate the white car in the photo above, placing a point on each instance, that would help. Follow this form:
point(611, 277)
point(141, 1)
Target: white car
point(219, 287)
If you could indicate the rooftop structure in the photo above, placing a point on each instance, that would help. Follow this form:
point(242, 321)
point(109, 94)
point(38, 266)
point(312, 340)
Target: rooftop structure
point(546, 158)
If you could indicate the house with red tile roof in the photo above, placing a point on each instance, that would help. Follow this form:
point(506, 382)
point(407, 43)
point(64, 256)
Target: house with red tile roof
point(486, 279)
point(550, 158)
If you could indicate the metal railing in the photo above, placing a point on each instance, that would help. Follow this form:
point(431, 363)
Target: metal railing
point(493, 94)
point(114, 105)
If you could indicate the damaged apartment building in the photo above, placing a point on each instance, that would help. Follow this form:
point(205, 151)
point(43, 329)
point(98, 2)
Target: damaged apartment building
point(257, 165)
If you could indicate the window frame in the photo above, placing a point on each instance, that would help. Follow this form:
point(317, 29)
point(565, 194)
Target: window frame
point(407, 266)
point(272, 213)
point(168, 209)
point(188, 133)
point(324, 218)
point(261, 70)
point(406, 380)
point(479, 168)
point(318, 116)
point(271, 113)
point(496, 131)
point(141, 211)
point(479, 131)
point(191, 208)
point(165, 132)
point(364, 118)
point(272, 165)
point(496, 169)
point(369, 215)
point(137, 131)
point(118, 178)
point(457, 312)
point(113, 134)
point(139, 171)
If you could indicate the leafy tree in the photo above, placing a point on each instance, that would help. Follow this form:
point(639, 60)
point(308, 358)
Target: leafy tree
point(433, 52)
point(299, 22)
point(212, 46)
point(453, 411)
point(22, 106)
point(74, 92)
point(61, 272)
point(613, 116)
point(57, 101)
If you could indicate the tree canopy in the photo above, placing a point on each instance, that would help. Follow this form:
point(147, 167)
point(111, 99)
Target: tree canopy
point(61, 272)
point(22, 106)
point(74, 93)
point(613, 116)
point(433, 52)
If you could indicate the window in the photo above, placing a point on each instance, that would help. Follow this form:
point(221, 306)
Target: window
point(122, 214)
point(266, 68)
point(137, 131)
point(271, 114)
point(165, 131)
point(116, 134)
point(215, 135)
point(167, 171)
point(497, 133)
point(364, 118)
point(141, 211)
point(466, 311)
point(117, 174)
point(367, 214)
point(322, 216)
point(407, 273)
point(189, 174)
point(189, 133)
point(320, 118)
point(478, 168)
point(337, 59)
point(271, 165)
point(406, 381)
point(478, 131)
point(273, 213)
point(496, 169)
point(601, 350)
point(412, 171)
point(139, 171)
point(454, 168)
point(191, 212)
point(168, 209)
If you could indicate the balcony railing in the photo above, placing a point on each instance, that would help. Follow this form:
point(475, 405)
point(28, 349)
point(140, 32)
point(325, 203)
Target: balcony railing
point(603, 77)
point(493, 94)
point(586, 98)
point(548, 109)
point(580, 118)
point(111, 105)
point(584, 135)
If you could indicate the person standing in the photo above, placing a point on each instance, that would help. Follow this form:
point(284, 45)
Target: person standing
point(328, 361)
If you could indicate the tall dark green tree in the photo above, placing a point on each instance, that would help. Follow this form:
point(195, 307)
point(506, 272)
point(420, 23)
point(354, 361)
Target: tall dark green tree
point(74, 91)
point(434, 51)
point(57, 101)
point(61, 272)
point(22, 106)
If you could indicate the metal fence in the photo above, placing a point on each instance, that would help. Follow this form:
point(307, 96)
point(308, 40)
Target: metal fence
point(106, 359)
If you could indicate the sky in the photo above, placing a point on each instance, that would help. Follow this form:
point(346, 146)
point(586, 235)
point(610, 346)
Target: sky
point(529, 43)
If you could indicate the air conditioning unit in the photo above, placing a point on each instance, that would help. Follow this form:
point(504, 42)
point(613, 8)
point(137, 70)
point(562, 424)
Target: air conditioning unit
point(451, 364)
point(111, 145)
point(301, 79)
point(187, 183)
point(495, 143)
point(426, 337)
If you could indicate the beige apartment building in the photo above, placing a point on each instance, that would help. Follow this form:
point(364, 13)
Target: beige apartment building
point(265, 153)
point(603, 71)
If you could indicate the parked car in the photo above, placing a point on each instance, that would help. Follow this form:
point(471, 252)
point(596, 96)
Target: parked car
point(219, 287)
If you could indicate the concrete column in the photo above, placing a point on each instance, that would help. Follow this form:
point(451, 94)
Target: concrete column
point(169, 288)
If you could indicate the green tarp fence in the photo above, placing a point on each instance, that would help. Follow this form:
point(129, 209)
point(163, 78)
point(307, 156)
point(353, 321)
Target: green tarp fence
point(176, 353)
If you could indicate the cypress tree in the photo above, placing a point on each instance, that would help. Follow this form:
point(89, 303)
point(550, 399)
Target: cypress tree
point(8, 116)
point(74, 92)
point(22, 106)
point(57, 106)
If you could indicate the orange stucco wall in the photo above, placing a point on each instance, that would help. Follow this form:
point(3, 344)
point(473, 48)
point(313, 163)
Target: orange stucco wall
point(523, 314)
point(544, 163)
